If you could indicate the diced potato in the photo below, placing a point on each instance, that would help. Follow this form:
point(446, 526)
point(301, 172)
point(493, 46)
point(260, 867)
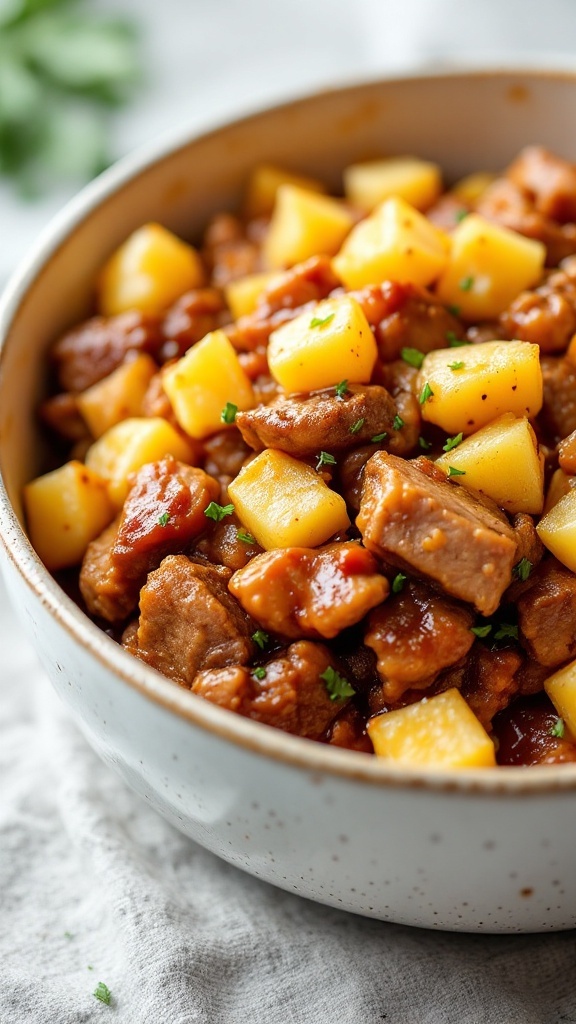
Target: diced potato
point(502, 461)
point(148, 272)
point(242, 294)
point(65, 510)
point(561, 688)
point(440, 732)
point(201, 383)
point(419, 182)
point(130, 444)
point(304, 224)
point(284, 503)
point(560, 484)
point(395, 242)
point(471, 188)
point(472, 385)
point(316, 350)
point(264, 183)
point(118, 396)
point(488, 266)
point(557, 530)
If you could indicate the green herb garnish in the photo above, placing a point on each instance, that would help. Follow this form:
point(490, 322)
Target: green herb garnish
point(103, 993)
point(398, 422)
point(228, 414)
point(164, 519)
point(459, 365)
point(379, 437)
point(341, 388)
point(424, 444)
point(454, 310)
point(558, 728)
point(217, 512)
point(506, 631)
point(522, 569)
point(336, 685)
point(412, 356)
point(261, 638)
point(259, 673)
point(452, 471)
point(321, 322)
point(325, 459)
point(356, 426)
point(398, 583)
point(243, 535)
point(425, 394)
point(460, 215)
point(465, 284)
point(452, 442)
point(481, 631)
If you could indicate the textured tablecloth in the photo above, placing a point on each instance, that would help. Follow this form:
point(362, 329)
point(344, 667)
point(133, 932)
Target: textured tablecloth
point(94, 887)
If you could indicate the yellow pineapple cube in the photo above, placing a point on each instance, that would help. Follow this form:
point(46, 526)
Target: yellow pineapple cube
point(242, 294)
point(488, 266)
point(65, 510)
point(202, 382)
point(118, 396)
point(367, 184)
point(148, 272)
point(561, 688)
point(436, 732)
point(560, 484)
point(557, 530)
point(130, 444)
point(318, 349)
point(304, 224)
point(395, 243)
point(284, 503)
point(463, 389)
point(264, 183)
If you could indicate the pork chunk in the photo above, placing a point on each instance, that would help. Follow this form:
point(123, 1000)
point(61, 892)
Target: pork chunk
point(90, 352)
point(413, 517)
point(547, 614)
point(310, 592)
point(558, 413)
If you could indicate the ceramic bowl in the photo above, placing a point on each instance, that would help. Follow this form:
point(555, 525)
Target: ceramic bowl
point(481, 850)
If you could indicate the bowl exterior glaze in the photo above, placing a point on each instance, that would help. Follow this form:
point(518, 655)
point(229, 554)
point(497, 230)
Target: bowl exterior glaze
point(477, 851)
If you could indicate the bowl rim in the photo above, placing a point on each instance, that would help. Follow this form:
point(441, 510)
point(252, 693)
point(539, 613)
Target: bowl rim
point(315, 758)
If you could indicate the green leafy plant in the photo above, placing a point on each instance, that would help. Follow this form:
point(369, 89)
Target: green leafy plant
point(62, 72)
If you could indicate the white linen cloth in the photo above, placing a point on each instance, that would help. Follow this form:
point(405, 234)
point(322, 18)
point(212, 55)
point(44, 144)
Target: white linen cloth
point(94, 886)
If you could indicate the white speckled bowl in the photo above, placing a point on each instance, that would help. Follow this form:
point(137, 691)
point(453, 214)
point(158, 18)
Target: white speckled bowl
point(483, 850)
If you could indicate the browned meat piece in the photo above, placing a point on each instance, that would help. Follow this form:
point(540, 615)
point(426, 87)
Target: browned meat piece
point(309, 281)
point(255, 365)
point(223, 546)
point(406, 316)
point(90, 352)
point(477, 333)
point(545, 316)
point(349, 731)
point(189, 621)
point(415, 635)
point(305, 424)
point(61, 414)
point(156, 401)
point(547, 614)
point(226, 453)
point(529, 544)
point(549, 180)
point(558, 415)
point(526, 734)
point(530, 677)
point(315, 592)
point(447, 212)
point(291, 695)
point(163, 513)
point(191, 317)
point(351, 472)
point(490, 681)
point(567, 454)
point(400, 380)
point(227, 251)
point(413, 517)
point(505, 203)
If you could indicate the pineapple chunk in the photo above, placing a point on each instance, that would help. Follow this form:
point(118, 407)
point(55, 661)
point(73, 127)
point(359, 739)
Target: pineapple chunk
point(243, 293)
point(396, 243)
point(148, 272)
point(495, 377)
point(502, 461)
point(557, 530)
point(130, 444)
point(201, 383)
point(417, 181)
point(304, 224)
point(264, 183)
point(471, 188)
point(561, 688)
point(440, 732)
point(318, 349)
point(65, 510)
point(284, 503)
point(118, 396)
point(488, 266)
point(560, 484)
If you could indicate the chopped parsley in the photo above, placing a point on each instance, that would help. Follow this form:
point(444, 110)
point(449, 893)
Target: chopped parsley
point(341, 389)
point(465, 284)
point(321, 322)
point(217, 512)
point(412, 356)
point(356, 426)
point(452, 442)
point(454, 310)
point(522, 569)
point(424, 444)
point(228, 414)
point(379, 437)
point(458, 365)
point(243, 535)
point(164, 519)
point(425, 394)
point(336, 685)
point(103, 993)
point(260, 638)
point(460, 215)
point(452, 471)
point(259, 673)
point(558, 728)
point(325, 459)
point(454, 341)
point(398, 583)
point(398, 422)
point(506, 631)
point(481, 631)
